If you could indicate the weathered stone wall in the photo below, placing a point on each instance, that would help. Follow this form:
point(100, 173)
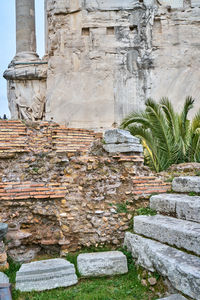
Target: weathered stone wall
point(55, 199)
point(98, 61)
point(107, 57)
point(175, 52)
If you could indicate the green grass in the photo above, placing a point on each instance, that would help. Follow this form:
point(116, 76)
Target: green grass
point(121, 287)
point(145, 211)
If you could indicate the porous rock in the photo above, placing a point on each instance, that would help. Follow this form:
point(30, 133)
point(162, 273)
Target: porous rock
point(102, 263)
point(186, 184)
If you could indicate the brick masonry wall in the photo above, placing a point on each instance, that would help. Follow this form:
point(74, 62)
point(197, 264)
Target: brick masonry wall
point(58, 195)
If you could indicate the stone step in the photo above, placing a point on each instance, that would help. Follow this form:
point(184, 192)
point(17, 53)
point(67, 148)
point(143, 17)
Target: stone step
point(45, 275)
point(182, 269)
point(174, 297)
point(175, 232)
point(186, 184)
point(179, 205)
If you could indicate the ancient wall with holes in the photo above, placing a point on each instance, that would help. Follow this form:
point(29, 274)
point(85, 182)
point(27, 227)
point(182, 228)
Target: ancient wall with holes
point(107, 57)
point(60, 191)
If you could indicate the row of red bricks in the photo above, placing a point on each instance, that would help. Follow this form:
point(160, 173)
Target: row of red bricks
point(16, 137)
point(26, 190)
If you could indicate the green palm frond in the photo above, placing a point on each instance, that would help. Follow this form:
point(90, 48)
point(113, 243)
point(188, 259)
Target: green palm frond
point(167, 137)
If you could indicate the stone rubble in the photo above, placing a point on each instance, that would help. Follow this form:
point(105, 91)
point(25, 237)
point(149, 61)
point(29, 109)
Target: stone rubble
point(102, 263)
point(45, 275)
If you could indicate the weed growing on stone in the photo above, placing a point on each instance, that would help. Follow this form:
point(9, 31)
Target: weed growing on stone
point(145, 211)
point(121, 208)
point(193, 194)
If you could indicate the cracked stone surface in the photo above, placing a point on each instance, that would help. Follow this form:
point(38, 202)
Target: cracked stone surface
point(182, 206)
point(172, 231)
point(182, 269)
point(186, 184)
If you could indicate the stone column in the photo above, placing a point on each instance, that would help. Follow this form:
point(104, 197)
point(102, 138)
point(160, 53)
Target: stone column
point(25, 30)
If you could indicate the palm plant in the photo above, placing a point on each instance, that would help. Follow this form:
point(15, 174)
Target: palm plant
point(168, 137)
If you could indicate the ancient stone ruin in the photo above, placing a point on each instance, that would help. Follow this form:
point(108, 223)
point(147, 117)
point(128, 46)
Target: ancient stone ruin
point(103, 59)
point(64, 185)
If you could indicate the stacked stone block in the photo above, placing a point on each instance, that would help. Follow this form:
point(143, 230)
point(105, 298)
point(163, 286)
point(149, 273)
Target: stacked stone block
point(169, 242)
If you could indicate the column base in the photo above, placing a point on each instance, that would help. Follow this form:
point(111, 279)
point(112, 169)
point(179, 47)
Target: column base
point(25, 57)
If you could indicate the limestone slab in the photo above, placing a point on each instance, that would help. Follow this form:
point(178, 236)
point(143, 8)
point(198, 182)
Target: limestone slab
point(182, 206)
point(195, 3)
point(182, 269)
point(123, 148)
point(174, 297)
point(109, 5)
point(45, 275)
point(172, 3)
point(179, 233)
point(3, 278)
point(102, 263)
point(186, 184)
point(116, 136)
point(3, 230)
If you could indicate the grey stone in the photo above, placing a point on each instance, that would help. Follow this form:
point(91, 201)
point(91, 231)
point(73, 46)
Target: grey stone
point(110, 5)
point(122, 148)
point(182, 269)
point(172, 3)
point(46, 275)
point(3, 230)
point(186, 184)
point(25, 27)
point(182, 206)
point(195, 3)
point(3, 278)
point(102, 263)
point(179, 233)
point(174, 297)
point(117, 136)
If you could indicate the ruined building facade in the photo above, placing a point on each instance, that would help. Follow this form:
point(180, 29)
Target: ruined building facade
point(103, 59)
